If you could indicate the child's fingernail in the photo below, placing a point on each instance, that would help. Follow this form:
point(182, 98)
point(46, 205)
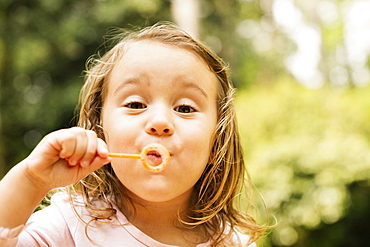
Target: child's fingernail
point(73, 162)
point(84, 163)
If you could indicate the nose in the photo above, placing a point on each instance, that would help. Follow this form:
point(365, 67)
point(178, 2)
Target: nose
point(160, 123)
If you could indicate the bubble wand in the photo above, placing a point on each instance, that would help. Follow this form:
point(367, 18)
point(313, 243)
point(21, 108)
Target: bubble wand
point(156, 151)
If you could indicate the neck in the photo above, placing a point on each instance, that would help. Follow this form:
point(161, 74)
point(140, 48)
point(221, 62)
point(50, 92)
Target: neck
point(160, 214)
point(160, 220)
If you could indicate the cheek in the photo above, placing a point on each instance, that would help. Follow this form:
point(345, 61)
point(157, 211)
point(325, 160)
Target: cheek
point(129, 171)
point(204, 136)
point(119, 136)
point(197, 148)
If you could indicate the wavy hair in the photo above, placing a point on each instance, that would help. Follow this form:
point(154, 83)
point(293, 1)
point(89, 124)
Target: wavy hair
point(216, 194)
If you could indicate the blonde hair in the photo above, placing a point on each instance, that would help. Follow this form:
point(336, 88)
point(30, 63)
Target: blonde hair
point(216, 192)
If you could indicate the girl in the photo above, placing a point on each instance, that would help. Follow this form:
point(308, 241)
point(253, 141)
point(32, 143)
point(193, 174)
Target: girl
point(157, 85)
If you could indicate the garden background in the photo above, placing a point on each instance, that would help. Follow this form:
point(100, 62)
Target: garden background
point(303, 101)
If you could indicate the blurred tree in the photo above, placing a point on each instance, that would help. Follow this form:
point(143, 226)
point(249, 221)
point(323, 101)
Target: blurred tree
point(219, 29)
point(186, 15)
point(44, 45)
point(306, 149)
point(308, 154)
point(43, 48)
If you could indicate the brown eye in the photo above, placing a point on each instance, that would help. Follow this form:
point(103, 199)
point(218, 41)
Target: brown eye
point(184, 109)
point(135, 105)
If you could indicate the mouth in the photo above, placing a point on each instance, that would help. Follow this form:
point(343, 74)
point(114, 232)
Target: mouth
point(154, 158)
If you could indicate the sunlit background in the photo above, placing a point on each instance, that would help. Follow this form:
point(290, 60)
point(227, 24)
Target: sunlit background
point(302, 72)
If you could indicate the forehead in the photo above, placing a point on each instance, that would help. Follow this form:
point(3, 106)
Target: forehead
point(145, 51)
point(150, 59)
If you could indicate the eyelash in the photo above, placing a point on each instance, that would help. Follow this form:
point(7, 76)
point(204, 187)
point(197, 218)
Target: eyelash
point(143, 106)
point(130, 104)
point(192, 109)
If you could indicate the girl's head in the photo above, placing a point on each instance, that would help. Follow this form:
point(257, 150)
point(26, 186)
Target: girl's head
point(161, 85)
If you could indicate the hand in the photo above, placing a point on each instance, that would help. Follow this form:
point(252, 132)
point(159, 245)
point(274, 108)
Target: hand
point(64, 157)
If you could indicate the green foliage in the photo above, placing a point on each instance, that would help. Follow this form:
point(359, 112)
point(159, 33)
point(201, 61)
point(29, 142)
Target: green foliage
point(307, 151)
point(43, 48)
point(219, 31)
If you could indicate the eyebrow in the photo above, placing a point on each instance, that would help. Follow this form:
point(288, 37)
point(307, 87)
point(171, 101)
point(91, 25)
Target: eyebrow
point(129, 81)
point(138, 81)
point(193, 85)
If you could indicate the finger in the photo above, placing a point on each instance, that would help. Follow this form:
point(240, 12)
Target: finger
point(95, 164)
point(81, 140)
point(67, 142)
point(102, 149)
point(91, 148)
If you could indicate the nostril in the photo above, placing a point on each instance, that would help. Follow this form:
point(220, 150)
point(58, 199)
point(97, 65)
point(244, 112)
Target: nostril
point(159, 131)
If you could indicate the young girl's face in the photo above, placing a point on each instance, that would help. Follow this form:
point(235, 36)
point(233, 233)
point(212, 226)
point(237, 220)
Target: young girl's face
point(160, 93)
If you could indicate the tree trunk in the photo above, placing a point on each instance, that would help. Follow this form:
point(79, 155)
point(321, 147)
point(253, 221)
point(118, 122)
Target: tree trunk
point(186, 15)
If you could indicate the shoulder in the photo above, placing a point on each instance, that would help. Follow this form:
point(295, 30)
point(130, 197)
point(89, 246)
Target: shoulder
point(48, 226)
point(242, 239)
point(57, 213)
point(67, 222)
point(233, 238)
point(64, 223)
point(238, 239)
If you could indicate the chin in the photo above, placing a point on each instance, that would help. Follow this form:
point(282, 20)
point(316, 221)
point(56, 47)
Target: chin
point(156, 196)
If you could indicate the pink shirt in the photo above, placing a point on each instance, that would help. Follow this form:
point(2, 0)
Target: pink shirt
point(57, 225)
